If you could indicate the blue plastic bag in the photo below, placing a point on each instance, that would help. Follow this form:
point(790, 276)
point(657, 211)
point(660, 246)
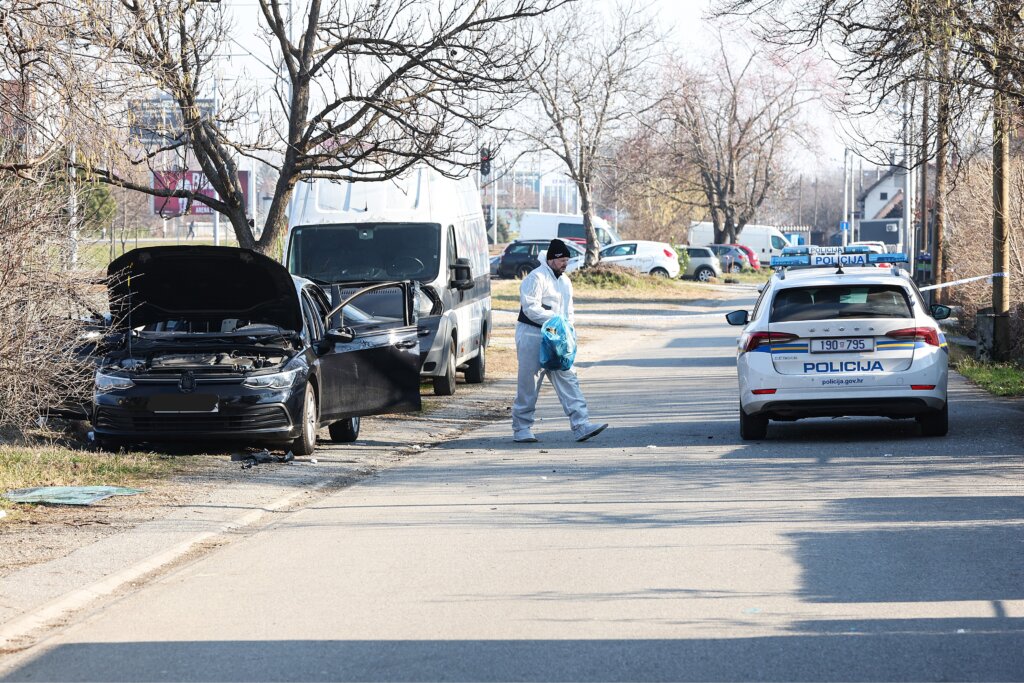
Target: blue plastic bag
point(557, 344)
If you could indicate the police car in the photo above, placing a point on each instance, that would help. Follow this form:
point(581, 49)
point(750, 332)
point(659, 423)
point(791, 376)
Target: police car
point(833, 334)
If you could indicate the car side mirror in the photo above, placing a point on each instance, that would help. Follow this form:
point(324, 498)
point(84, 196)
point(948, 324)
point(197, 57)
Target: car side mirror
point(738, 318)
point(342, 335)
point(940, 312)
point(462, 275)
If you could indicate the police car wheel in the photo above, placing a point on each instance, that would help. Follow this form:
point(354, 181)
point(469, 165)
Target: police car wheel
point(659, 272)
point(752, 427)
point(935, 423)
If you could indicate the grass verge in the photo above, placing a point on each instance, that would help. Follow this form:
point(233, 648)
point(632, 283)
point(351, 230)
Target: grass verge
point(1000, 379)
point(597, 283)
point(27, 467)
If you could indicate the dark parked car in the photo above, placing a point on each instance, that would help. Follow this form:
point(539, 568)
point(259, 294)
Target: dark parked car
point(223, 343)
point(522, 256)
point(733, 259)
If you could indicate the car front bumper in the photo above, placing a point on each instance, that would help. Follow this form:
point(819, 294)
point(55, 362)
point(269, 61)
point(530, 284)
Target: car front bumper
point(239, 413)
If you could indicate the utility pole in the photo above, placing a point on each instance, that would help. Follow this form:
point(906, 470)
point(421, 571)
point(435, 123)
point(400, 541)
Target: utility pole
point(846, 196)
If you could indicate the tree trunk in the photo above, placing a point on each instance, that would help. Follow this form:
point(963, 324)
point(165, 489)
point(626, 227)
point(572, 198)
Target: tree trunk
point(1000, 228)
point(593, 246)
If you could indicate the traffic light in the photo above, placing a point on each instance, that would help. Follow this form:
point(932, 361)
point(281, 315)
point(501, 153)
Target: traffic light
point(485, 161)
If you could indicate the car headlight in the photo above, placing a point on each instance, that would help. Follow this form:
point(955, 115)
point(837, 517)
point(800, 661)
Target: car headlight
point(277, 380)
point(105, 382)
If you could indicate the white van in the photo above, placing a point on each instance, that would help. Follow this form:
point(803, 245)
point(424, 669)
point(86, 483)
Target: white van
point(421, 226)
point(765, 240)
point(535, 225)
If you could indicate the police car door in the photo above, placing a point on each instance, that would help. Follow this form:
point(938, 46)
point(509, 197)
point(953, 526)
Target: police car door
point(841, 334)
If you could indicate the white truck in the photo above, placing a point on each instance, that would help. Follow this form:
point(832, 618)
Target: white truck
point(422, 226)
point(535, 225)
point(765, 240)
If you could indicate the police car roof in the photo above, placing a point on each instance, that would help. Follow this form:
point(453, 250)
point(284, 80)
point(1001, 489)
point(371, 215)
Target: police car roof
point(821, 277)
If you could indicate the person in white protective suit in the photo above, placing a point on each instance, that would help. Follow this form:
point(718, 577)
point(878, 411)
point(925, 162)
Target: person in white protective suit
point(546, 292)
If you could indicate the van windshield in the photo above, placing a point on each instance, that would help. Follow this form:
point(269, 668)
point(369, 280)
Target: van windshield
point(366, 251)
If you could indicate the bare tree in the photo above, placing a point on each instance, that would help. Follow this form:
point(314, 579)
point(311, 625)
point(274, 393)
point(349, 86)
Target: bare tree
point(592, 79)
point(732, 123)
point(40, 308)
point(887, 48)
point(360, 89)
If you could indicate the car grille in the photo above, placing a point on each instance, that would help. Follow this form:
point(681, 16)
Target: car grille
point(140, 422)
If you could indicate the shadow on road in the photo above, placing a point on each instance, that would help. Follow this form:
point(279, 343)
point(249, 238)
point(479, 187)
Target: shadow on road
point(877, 652)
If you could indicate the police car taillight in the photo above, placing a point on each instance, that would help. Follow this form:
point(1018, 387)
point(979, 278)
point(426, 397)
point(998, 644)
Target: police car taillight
point(669, 253)
point(926, 334)
point(757, 339)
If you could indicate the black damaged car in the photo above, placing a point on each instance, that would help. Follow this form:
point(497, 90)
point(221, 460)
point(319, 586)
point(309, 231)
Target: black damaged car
point(220, 343)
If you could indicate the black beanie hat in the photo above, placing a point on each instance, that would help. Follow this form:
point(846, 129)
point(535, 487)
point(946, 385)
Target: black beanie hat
point(558, 250)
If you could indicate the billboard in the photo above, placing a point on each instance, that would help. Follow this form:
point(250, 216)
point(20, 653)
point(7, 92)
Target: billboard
point(157, 121)
point(190, 181)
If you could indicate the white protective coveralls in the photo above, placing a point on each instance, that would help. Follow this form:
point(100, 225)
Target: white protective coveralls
point(541, 296)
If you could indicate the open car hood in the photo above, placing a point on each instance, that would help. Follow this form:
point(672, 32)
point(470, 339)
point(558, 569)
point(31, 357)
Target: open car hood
point(155, 284)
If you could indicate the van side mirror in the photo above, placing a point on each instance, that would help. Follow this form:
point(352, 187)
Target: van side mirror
point(462, 275)
point(738, 318)
point(940, 312)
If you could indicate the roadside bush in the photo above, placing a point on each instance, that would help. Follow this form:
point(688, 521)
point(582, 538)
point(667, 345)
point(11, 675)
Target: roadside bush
point(969, 245)
point(603, 276)
point(42, 301)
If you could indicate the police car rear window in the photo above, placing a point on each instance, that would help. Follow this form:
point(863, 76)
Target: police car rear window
point(834, 302)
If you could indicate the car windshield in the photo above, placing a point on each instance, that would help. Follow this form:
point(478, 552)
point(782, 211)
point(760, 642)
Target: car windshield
point(832, 302)
point(375, 252)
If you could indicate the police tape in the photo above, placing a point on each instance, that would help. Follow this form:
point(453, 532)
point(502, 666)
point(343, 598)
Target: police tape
point(965, 280)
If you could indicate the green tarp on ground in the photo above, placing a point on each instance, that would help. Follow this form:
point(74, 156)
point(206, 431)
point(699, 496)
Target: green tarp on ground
point(68, 495)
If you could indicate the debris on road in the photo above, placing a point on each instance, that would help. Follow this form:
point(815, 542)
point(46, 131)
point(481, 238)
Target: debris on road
point(68, 495)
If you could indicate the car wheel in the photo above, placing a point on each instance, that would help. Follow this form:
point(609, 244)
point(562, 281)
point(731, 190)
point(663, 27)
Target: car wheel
point(305, 444)
point(477, 367)
point(752, 427)
point(523, 271)
point(704, 274)
point(735, 268)
point(344, 431)
point(659, 272)
point(935, 423)
point(445, 384)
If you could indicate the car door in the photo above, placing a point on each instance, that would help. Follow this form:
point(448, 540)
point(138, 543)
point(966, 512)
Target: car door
point(370, 365)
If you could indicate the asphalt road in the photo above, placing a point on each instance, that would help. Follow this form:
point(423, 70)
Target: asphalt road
point(665, 549)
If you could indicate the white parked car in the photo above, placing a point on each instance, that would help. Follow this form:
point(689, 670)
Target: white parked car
point(653, 258)
point(828, 341)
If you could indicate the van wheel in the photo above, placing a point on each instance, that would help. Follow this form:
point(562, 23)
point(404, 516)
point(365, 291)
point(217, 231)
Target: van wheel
point(659, 272)
point(523, 271)
point(752, 427)
point(344, 431)
point(476, 367)
point(704, 274)
point(305, 444)
point(445, 384)
point(935, 423)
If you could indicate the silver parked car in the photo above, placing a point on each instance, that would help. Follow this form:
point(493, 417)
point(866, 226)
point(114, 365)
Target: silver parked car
point(702, 265)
